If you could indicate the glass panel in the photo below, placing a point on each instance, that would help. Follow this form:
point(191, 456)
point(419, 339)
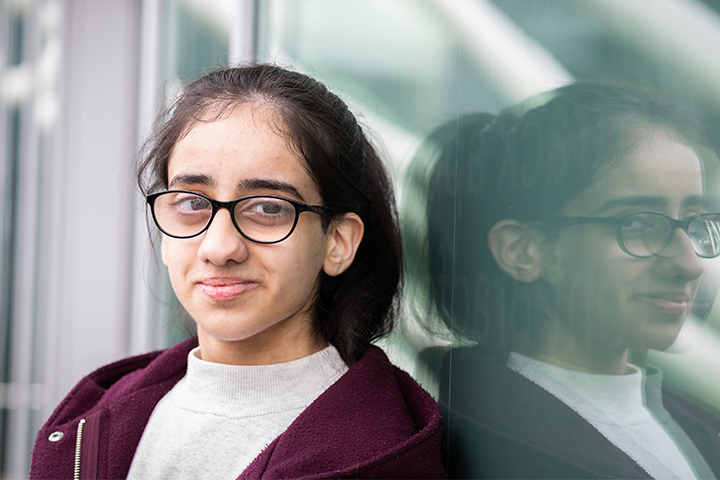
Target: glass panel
point(196, 36)
point(547, 333)
point(398, 58)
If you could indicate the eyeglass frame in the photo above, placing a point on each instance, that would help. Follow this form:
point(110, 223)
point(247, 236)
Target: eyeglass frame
point(618, 219)
point(230, 206)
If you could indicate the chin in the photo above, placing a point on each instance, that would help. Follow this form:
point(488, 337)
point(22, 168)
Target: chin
point(230, 336)
point(226, 331)
point(660, 341)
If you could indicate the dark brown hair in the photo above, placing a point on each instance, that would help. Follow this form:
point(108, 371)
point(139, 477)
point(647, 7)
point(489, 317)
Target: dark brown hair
point(358, 306)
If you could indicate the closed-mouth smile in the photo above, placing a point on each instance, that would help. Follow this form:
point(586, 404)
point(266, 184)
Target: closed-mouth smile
point(226, 288)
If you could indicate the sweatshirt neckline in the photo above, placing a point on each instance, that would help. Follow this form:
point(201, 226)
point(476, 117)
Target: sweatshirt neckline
point(620, 397)
point(244, 391)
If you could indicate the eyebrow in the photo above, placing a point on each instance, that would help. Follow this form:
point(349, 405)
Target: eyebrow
point(266, 184)
point(646, 201)
point(247, 184)
point(191, 179)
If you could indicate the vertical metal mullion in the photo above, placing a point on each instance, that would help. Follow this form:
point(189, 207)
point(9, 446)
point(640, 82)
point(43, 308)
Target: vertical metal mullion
point(23, 305)
point(7, 273)
point(243, 34)
point(15, 53)
point(142, 300)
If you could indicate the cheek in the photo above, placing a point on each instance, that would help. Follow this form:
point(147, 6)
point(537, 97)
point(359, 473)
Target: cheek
point(299, 261)
point(593, 274)
point(589, 250)
point(176, 254)
point(310, 262)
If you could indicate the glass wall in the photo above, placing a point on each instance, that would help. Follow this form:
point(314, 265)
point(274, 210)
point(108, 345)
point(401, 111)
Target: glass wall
point(541, 308)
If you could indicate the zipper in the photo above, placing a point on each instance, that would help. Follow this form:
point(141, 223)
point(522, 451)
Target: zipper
point(78, 447)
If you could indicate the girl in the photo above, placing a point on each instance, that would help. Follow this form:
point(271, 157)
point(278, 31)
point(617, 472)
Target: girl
point(281, 242)
point(577, 233)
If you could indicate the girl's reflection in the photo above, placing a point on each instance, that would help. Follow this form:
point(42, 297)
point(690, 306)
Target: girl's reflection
point(566, 254)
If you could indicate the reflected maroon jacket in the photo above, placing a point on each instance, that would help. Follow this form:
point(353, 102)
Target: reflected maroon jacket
point(499, 424)
point(374, 422)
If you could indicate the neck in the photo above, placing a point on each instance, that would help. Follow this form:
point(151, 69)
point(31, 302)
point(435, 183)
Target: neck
point(565, 349)
point(261, 349)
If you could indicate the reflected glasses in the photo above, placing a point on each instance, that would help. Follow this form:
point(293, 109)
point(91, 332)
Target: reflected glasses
point(647, 234)
point(261, 218)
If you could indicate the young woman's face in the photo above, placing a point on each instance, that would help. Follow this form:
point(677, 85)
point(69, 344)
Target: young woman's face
point(609, 299)
point(252, 302)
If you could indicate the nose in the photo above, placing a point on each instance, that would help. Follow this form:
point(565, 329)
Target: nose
point(679, 258)
point(221, 242)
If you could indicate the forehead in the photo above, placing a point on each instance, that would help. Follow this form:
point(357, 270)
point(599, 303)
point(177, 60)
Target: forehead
point(243, 143)
point(660, 172)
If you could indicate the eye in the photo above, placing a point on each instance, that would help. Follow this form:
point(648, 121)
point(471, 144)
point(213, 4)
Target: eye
point(650, 226)
point(268, 207)
point(191, 204)
point(181, 214)
point(265, 210)
point(639, 222)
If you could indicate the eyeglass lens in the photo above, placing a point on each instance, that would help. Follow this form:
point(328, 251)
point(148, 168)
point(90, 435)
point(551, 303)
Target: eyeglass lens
point(263, 219)
point(648, 234)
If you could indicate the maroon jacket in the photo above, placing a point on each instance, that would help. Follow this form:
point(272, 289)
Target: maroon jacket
point(374, 422)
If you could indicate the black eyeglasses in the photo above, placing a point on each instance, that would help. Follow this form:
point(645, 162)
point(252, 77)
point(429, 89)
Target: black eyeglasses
point(260, 218)
point(647, 234)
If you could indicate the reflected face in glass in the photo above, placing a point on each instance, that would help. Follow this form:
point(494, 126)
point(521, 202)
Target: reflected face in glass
point(245, 296)
point(608, 298)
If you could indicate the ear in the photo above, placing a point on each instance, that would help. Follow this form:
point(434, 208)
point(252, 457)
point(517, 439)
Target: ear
point(344, 236)
point(517, 249)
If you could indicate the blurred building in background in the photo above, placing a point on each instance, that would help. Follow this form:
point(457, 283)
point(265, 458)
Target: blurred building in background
point(81, 81)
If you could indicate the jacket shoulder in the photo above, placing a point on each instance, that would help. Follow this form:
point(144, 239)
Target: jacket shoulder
point(374, 422)
point(699, 421)
point(117, 378)
point(121, 395)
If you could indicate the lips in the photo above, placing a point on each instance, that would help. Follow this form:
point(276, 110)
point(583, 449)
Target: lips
point(670, 303)
point(223, 289)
